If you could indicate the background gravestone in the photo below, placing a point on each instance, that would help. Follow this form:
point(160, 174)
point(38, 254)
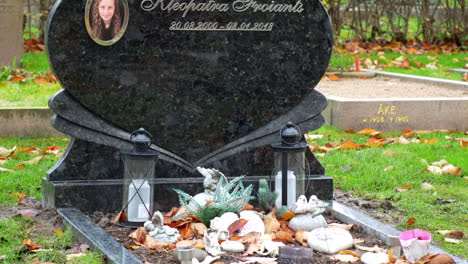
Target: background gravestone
point(11, 31)
point(212, 86)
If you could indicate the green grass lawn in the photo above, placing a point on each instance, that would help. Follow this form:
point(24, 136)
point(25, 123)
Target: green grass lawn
point(443, 62)
point(363, 172)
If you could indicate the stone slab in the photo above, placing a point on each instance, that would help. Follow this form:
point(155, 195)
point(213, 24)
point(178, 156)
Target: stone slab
point(11, 31)
point(396, 114)
point(88, 232)
point(374, 227)
point(27, 122)
point(106, 195)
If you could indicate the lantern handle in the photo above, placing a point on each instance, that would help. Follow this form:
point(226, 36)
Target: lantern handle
point(290, 124)
point(141, 131)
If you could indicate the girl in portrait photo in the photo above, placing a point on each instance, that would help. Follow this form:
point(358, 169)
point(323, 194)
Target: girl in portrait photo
point(106, 19)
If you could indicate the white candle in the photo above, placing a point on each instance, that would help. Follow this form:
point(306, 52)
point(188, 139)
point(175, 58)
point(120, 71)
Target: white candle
point(291, 188)
point(136, 211)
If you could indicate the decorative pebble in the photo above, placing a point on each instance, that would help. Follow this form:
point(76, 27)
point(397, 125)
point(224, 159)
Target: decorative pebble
point(232, 246)
point(330, 240)
point(374, 258)
point(307, 222)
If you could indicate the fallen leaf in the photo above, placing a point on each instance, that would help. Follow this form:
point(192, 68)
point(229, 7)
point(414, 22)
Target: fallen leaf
point(454, 233)
point(427, 186)
point(58, 231)
point(441, 259)
point(19, 167)
point(411, 221)
point(408, 133)
point(33, 161)
point(131, 247)
point(41, 80)
point(371, 249)
point(350, 131)
point(250, 238)
point(287, 216)
point(199, 228)
point(17, 79)
point(271, 223)
point(140, 237)
point(344, 258)
point(349, 252)
point(247, 207)
point(186, 232)
point(30, 246)
point(301, 237)
point(342, 226)
point(390, 256)
point(452, 240)
point(429, 141)
point(333, 77)
point(348, 144)
point(236, 225)
point(404, 188)
point(52, 150)
point(251, 249)
point(260, 260)
point(389, 168)
point(282, 236)
point(121, 216)
point(452, 170)
point(369, 131)
point(196, 243)
point(5, 170)
point(21, 198)
point(358, 241)
point(4, 151)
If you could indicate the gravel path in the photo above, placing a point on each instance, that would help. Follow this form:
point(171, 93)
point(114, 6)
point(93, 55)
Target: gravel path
point(384, 87)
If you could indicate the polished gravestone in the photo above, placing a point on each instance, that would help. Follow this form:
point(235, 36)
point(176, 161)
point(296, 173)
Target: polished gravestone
point(213, 82)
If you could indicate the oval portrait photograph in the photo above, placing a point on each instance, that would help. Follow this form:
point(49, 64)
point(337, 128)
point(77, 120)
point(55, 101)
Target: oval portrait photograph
point(106, 20)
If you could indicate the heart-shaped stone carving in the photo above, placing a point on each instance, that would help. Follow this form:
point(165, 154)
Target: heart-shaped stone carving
point(194, 90)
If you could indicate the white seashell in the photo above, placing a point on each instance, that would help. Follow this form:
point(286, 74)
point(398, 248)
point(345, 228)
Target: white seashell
point(307, 222)
point(374, 258)
point(254, 223)
point(222, 223)
point(232, 246)
point(330, 240)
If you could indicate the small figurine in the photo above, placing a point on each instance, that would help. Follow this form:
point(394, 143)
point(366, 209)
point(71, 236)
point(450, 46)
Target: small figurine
point(159, 231)
point(212, 178)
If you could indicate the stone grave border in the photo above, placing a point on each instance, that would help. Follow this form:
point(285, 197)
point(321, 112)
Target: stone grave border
point(88, 232)
point(364, 112)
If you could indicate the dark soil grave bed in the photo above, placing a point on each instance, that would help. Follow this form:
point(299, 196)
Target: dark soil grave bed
point(121, 234)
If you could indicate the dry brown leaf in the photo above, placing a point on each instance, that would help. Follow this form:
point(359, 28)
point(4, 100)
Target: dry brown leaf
point(287, 216)
point(29, 245)
point(369, 131)
point(41, 80)
point(411, 221)
point(120, 217)
point(344, 258)
point(408, 133)
point(301, 237)
point(131, 247)
point(186, 232)
point(370, 249)
point(404, 188)
point(348, 144)
point(196, 243)
point(427, 186)
point(236, 225)
point(350, 131)
point(77, 255)
point(251, 249)
point(390, 256)
point(58, 231)
point(52, 150)
point(247, 207)
point(33, 161)
point(389, 168)
point(250, 238)
point(271, 223)
point(429, 141)
point(454, 233)
point(349, 252)
point(441, 259)
point(199, 228)
point(452, 170)
point(282, 236)
point(402, 261)
point(2, 160)
point(342, 226)
point(333, 77)
point(452, 240)
point(21, 198)
point(5, 170)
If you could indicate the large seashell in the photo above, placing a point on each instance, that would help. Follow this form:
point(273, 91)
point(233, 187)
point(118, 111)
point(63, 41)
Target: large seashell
point(254, 223)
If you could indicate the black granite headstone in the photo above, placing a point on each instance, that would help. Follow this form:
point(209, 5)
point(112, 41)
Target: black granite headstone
point(212, 81)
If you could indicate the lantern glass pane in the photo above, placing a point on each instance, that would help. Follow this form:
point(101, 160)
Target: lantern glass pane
point(138, 190)
point(296, 176)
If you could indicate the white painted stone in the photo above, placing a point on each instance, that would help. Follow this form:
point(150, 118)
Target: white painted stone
point(330, 240)
point(232, 246)
point(254, 223)
point(307, 222)
point(374, 258)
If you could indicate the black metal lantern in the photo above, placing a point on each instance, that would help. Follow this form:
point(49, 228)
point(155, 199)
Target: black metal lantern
point(290, 165)
point(139, 163)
